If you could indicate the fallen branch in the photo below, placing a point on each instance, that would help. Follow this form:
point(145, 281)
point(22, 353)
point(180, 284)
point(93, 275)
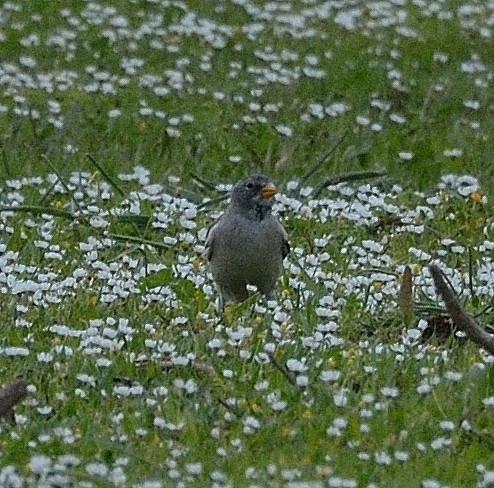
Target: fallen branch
point(461, 319)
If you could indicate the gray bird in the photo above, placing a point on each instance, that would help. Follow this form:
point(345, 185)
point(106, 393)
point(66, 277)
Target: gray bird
point(247, 244)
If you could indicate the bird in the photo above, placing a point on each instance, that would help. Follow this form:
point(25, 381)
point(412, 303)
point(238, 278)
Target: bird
point(247, 244)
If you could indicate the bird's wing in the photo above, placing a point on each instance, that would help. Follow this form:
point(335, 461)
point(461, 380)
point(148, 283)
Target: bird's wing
point(209, 245)
point(285, 249)
point(285, 245)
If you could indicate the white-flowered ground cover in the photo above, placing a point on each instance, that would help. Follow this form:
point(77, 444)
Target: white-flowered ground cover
point(136, 380)
point(240, 85)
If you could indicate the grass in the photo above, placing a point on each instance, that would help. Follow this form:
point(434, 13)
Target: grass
point(118, 122)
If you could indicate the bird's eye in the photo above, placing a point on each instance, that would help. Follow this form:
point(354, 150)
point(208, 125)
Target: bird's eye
point(249, 186)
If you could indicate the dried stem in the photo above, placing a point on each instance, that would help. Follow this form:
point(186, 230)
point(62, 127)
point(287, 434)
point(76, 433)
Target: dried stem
point(461, 319)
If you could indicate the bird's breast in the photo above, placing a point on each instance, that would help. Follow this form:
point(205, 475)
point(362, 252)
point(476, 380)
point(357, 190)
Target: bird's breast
point(251, 249)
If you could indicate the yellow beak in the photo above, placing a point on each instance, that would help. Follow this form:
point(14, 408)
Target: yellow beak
point(268, 191)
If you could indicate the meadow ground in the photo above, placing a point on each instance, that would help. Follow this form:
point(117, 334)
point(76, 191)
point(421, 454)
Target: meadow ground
point(122, 127)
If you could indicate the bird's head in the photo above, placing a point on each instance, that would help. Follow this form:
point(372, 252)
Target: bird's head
point(253, 196)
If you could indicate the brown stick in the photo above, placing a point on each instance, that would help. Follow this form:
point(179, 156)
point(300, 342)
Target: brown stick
point(461, 319)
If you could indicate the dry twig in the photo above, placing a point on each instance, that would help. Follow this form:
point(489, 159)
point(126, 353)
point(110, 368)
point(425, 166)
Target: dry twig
point(461, 319)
